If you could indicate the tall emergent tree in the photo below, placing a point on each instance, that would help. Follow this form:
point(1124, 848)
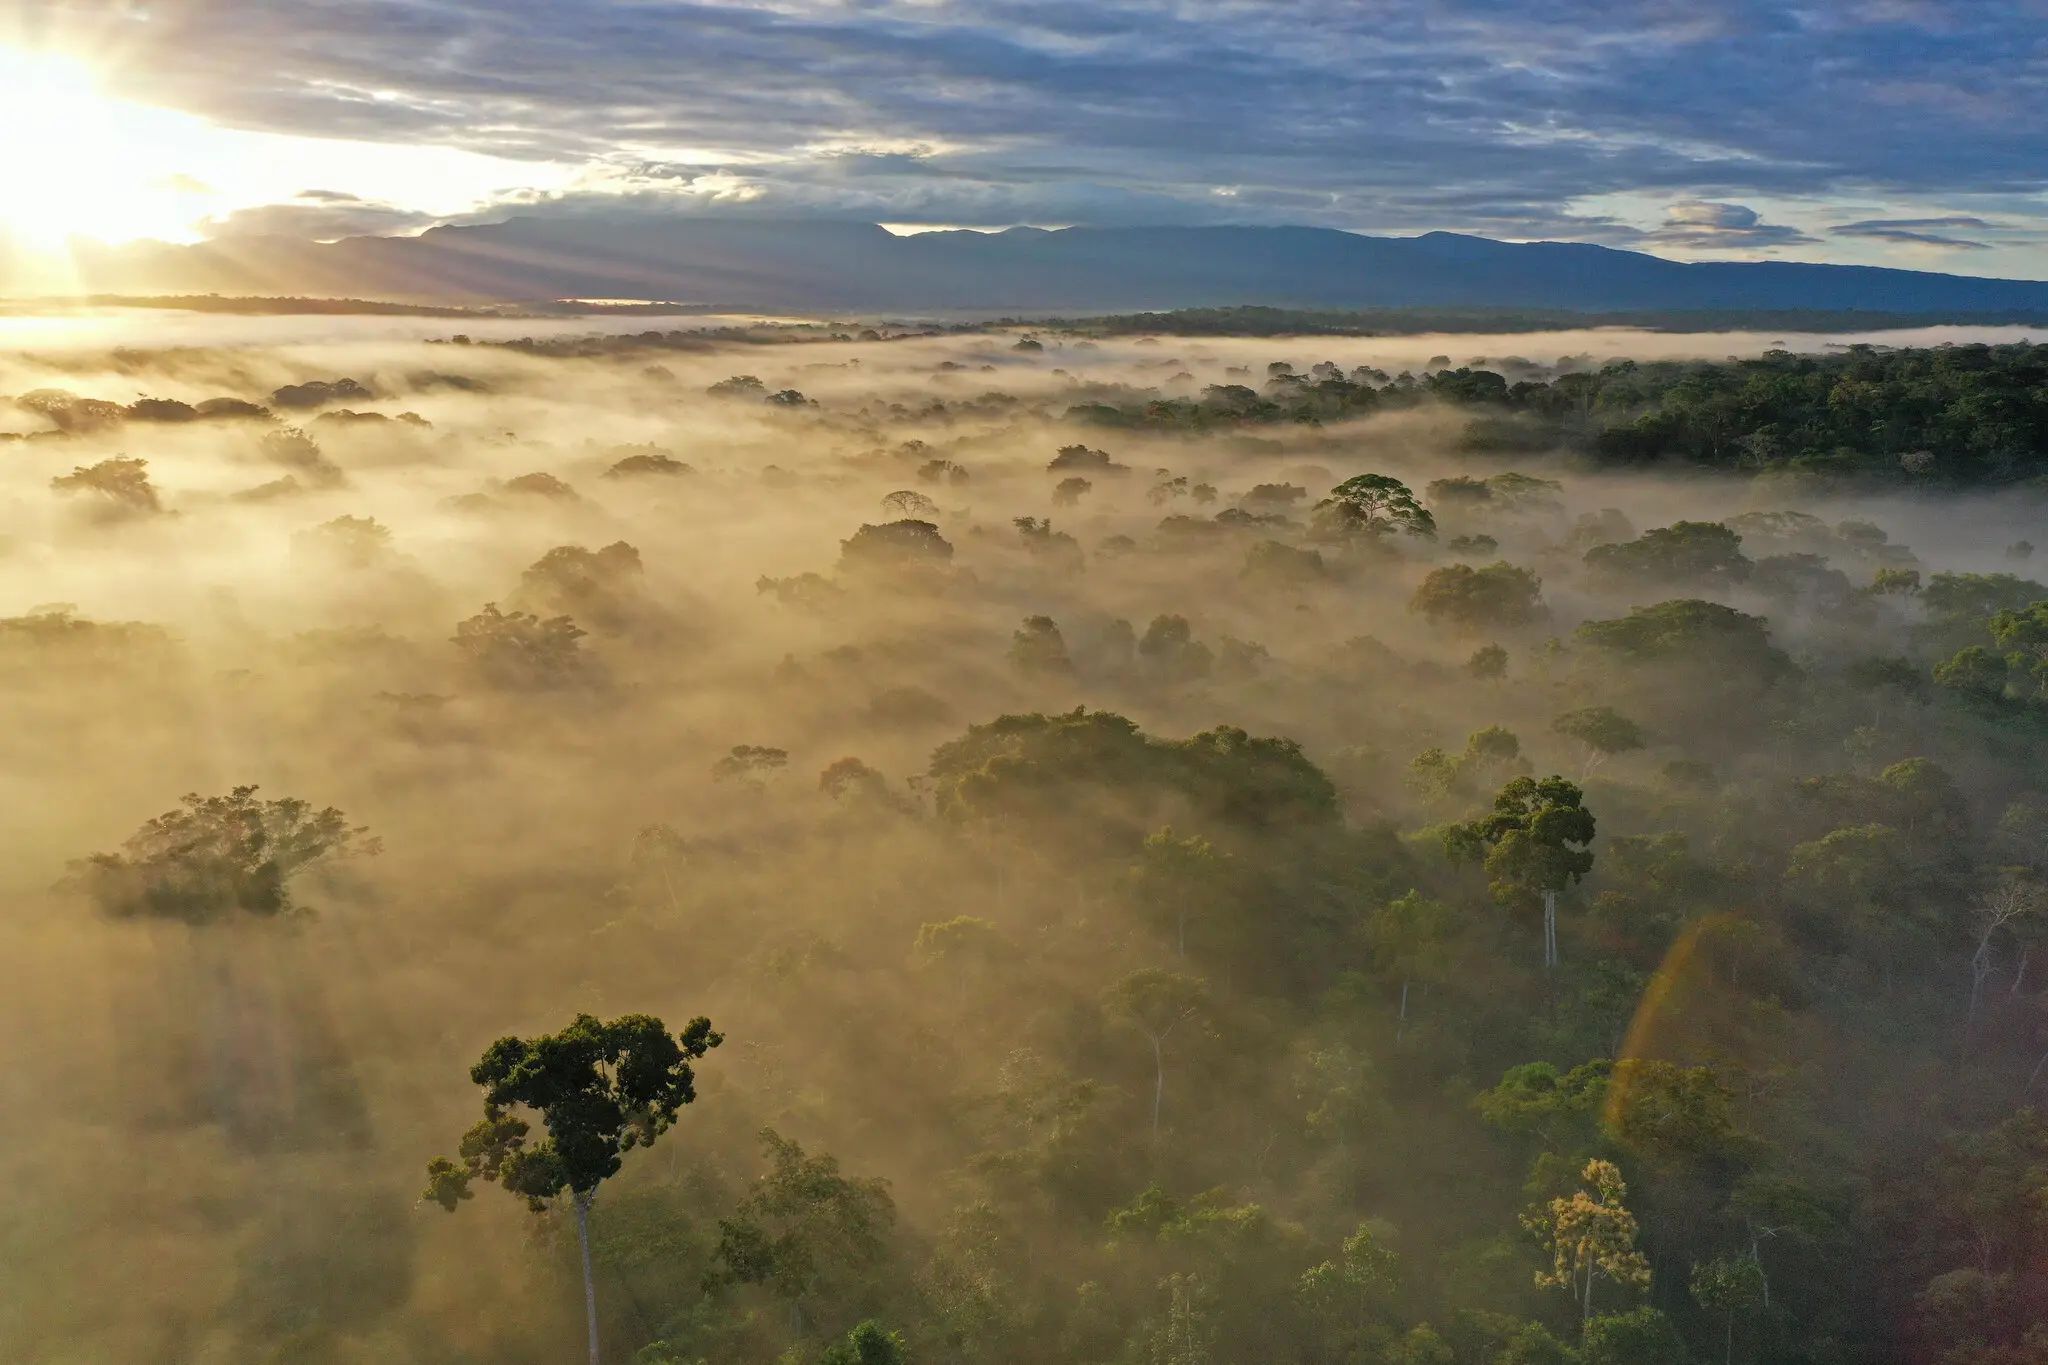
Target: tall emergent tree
point(1177, 879)
point(1156, 1003)
point(598, 1089)
point(1535, 844)
point(1372, 505)
point(1731, 1286)
point(218, 856)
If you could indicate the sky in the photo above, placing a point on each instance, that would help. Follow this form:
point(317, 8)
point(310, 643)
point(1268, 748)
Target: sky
point(1895, 132)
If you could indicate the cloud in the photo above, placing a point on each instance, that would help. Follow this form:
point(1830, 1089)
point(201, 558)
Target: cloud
point(317, 215)
point(1702, 225)
point(1321, 111)
point(1917, 231)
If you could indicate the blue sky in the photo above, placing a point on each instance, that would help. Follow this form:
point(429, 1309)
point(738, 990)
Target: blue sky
point(1902, 132)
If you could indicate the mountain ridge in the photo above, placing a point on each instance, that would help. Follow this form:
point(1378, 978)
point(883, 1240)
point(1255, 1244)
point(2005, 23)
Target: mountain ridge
point(798, 264)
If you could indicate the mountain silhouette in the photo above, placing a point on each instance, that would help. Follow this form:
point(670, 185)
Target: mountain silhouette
point(756, 263)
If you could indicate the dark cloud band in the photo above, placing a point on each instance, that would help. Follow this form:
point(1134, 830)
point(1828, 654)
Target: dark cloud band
point(1323, 111)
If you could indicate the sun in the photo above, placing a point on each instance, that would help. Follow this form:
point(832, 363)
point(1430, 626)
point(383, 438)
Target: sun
point(77, 162)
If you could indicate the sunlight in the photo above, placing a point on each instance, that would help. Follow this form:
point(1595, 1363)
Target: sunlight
point(81, 163)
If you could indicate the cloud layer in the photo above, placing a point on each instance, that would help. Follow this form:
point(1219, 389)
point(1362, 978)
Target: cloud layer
point(1483, 115)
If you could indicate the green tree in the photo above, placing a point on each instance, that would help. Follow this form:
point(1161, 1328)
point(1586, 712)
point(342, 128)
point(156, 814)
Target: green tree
point(601, 587)
point(1534, 844)
point(1863, 880)
point(1670, 1117)
point(519, 650)
point(1349, 1294)
point(1531, 1343)
point(1275, 565)
point(855, 783)
point(1372, 505)
point(1177, 879)
point(1433, 773)
point(121, 485)
point(219, 855)
point(1641, 1336)
point(1973, 672)
point(1488, 661)
point(802, 1228)
point(1731, 1286)
point(2023, 634)
point(1557, 1111)
point(1184, 1333)
point(1602, 730)
point(598, 1089)
point(908, 545)
point(1169, 648)
point(1490, 750)
point(1497, 596)
point(1038, 650)
point(1460, 489)
point(1702, 553)
point(909, 503)
point(965, 947)
point(866, 1344)
point(1973, 597)
point(1411, 938)
point(1043, 768)
point(1156, 1003)
point(2023, 628)
point(961, 939)
point(1487, 754)
point(345, 542)
point(1690, 632)
point(1421, 1344)
point(752, 764)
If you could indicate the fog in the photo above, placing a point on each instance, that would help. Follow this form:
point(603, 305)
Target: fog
point(216, 1131)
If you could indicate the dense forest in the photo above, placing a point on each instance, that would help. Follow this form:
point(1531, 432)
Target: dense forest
point(1252, 320)
point(993, 847)
point(1955, 415)
point(1945, 416)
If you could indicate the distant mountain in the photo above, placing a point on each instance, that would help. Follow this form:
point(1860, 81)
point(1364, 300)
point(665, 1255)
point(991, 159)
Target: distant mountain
point(822, 265)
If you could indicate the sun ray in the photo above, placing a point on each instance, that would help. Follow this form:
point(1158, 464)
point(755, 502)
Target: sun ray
point(82, 167)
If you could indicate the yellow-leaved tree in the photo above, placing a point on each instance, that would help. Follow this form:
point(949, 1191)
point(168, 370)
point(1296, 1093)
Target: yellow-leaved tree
point(1590, 1234)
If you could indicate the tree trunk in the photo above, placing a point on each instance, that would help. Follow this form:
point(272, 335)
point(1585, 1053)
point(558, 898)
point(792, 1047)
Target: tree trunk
point(1402, 1027)
point(1549, 929)
point(1158, 1082)
point(1980, 972)
point(582, 1201)
point(1180, 924)
point(1728, 1352)
point(2034, 1075)
point(1586, 1308)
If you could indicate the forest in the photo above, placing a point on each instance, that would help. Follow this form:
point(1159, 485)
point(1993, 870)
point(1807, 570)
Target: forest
point(1266, 321)
point(914, 845)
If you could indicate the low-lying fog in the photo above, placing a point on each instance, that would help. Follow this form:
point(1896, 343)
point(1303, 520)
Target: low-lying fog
point(219, 1132)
